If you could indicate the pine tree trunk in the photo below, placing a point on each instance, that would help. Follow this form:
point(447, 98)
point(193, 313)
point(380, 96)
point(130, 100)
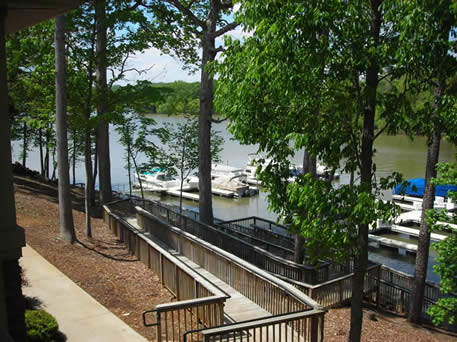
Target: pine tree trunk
point(73, 162)
point(423, 246)
point(366, 174)
point(67, 230)
point(40, 137)
point(24, 144)
point(88, 188)
point(204, 136)
point(46, 158)
point(103, 150)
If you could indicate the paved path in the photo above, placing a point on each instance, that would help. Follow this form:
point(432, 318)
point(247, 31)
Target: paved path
point(80, 317)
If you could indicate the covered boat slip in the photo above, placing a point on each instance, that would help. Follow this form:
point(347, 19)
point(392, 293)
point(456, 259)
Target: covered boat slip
point(217, 281)
point(410, 197)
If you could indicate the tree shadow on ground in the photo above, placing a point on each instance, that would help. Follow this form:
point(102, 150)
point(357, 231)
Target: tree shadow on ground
point(104, 254)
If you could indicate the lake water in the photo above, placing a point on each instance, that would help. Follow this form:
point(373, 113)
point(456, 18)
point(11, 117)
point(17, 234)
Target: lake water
point(394, 153)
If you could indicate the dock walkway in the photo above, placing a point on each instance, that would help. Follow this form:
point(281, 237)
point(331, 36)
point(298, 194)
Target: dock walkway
point(237, 308)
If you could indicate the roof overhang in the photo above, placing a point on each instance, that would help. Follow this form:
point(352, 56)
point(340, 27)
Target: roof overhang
point(24, 13)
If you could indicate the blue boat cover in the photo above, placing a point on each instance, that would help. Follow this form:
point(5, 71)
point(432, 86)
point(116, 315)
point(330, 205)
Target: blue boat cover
point(419, 184)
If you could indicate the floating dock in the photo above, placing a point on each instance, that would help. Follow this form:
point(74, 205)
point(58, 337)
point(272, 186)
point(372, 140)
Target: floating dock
point(415, 232)
point(196, 197)
point(403, 247)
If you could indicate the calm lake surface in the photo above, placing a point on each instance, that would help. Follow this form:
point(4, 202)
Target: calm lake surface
point(394, 153)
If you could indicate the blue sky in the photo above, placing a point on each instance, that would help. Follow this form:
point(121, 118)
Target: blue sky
point(164, 68)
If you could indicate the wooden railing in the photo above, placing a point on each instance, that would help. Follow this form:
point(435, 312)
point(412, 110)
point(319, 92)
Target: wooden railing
point(293, 327)
point(395, 291)
point(267, 291)
point(339, 291)
point(247, 251)
point(200, 303)
point(277, 239)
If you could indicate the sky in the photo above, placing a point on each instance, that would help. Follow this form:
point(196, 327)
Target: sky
point(165, 68)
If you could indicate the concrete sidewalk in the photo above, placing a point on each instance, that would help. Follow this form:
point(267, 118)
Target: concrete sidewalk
point(80, 317)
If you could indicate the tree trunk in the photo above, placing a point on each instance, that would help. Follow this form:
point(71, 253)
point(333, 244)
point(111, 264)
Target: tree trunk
point(366, 174)
point(73, 161)
point(94, 179)
point(129, 166)
point(138, 176)
point(67, 230)
point(46, 158)
point(423, 246)
point(204, 132)
point(309, 166)
point(40, 137)
point(24, 145)
point(103, 151)
point(88, 187)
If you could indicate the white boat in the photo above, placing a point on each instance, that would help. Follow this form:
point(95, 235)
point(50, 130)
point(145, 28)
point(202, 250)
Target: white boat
point(160, 181)
point(294, 171)
point(229, 178)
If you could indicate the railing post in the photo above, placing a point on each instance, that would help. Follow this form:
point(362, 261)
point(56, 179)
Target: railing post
point(161, 268)
point(378, 289)
point(314, 328)
point(178, 289)
point(159, 328)
point(341, 290)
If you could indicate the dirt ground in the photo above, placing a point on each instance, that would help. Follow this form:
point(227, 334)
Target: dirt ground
point(102, 266)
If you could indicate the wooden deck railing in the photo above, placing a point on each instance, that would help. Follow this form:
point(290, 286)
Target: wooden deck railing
point(277, 239)
point(293, 327)
point(199, 303)
point(395, 291)
point(270, 293)
point(338, 291)
point(247, 251)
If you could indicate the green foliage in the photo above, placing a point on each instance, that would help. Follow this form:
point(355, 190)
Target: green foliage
point(135, 131)
point(445, 309)
point(183, 98)
point(300, 83)
point(40, 326)
point(181, 142)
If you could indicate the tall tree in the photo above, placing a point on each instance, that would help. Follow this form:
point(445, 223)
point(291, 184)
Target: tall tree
point(103, 151)
point(67, 230)
point(308, 78)
point(445, 309)
point(426, 52)
point(196, 24)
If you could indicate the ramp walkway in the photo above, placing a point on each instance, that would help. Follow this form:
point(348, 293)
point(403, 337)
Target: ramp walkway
point(218, 294)
point(237, 308)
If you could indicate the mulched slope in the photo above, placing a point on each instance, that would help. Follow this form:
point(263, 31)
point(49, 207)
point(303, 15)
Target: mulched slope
point(103, 267)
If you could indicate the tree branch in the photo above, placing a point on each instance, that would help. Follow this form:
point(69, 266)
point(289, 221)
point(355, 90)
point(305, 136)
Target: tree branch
point(380, 132)
point(225, 29)
point(186, 11)
point(218, 121)
point(217, 50)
